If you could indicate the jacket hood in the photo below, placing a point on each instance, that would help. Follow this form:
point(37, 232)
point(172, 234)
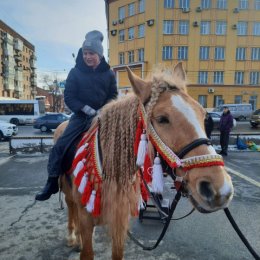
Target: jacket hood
point(81, 65)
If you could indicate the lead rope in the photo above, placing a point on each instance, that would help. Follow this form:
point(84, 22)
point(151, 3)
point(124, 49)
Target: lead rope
point(240, 234)
point(169, 218)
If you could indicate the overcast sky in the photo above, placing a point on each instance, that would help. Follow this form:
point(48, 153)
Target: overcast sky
point(55, 27)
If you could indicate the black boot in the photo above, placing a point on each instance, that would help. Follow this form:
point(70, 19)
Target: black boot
point(51, 187)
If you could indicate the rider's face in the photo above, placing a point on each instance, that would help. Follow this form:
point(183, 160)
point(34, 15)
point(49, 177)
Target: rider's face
point(91, 58)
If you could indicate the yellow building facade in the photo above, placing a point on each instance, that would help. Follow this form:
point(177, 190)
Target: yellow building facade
point(218, 42)
point(17, 69)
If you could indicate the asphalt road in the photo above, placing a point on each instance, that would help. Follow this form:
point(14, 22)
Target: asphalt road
point(32, 231)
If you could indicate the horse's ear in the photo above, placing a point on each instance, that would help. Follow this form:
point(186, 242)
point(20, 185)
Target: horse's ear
point(141, 88)
point(178, 72)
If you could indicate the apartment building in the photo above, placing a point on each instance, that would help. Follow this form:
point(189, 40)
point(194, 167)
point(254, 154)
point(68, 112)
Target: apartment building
point(17, 68)
point(218, 42)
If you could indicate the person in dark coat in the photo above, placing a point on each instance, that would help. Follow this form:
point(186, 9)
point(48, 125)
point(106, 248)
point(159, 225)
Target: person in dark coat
point(225, 126)
point(209, 124)
point(89, 86)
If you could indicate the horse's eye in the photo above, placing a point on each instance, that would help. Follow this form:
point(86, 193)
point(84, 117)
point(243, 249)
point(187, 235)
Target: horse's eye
point(162, 120)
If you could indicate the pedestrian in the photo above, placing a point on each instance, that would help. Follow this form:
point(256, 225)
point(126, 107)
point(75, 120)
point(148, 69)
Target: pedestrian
point(89, 86)
point(209, 124)
point(225, 126)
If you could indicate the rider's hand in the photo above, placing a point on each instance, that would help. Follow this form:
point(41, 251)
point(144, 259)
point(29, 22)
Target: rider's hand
point(89, 110)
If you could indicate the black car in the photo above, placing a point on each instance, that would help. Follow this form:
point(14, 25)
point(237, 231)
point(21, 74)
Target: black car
point(216, 119)
point(50, 121)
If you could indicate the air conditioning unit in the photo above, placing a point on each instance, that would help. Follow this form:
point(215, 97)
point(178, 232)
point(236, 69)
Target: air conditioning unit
point(236, 10)
point(198, 9)
point(150, 22)
point(113, 32)
point(185, 10)
point(234, 26)
point(211, 90)
point(114, 23)
point(195, 24)
point(121, 21)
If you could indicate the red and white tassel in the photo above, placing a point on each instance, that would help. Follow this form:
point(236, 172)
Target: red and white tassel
point(157, 182)
point(141, 203)
point(91, 202)
point(83, 183)
point(79, 167)
point(142, 149)
point(81, 149)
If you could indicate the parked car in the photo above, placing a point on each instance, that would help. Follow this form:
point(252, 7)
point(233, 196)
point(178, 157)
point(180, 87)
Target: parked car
point(216, 119)
point(255, 118)
point(238, 111)
point(50, 121)
point(7, 130)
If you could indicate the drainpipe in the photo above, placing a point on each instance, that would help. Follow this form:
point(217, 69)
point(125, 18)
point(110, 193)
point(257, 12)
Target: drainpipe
point(157, 31)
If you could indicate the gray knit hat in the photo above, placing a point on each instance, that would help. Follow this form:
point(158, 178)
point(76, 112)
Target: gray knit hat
point(93, 42)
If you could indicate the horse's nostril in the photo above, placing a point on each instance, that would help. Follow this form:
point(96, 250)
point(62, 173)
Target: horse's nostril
point(206, 190)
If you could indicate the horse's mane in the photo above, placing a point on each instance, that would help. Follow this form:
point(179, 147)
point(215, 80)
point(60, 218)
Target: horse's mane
point(118, 121)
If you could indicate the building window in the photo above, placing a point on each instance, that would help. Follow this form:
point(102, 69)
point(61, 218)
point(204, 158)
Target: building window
point(221, 4)
point(254, 77)
point(131, 9)
point(141, 54)
point(256, 28)
point(221, 28)
point(241, 53)
point(182, 53)
point(255, 54)
point(205, 4)
point(204, 53)
point(141, 6)
point(167, 53)
point(121, 58)
point(243, 4)
point(168, 27)
point(219, 53)
point(121, 12)
point(257, 4)
point(242, 28)
point(131, 33)
point(218, 100)
point(203, 77)
point(141, 31)
point(184, 27)
point(121, 35)
point(131, 56)
point(184, 4)
point(168, 3)
point(218, 77)
point(202, 99)
point(205, 27)
point(238, 99)
point(239, 77)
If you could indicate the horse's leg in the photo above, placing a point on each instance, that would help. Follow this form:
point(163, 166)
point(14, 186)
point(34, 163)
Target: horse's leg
point(86, 226)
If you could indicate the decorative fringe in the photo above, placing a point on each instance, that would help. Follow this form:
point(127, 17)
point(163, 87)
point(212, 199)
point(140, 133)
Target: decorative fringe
point(90, 204)
point(157, 183)
point(147, 167)
point(83, 183)
point(142, 149)
point(80, 154)
point(87, 193)
point(97, 205)
point(139, 131)
point(79, 167)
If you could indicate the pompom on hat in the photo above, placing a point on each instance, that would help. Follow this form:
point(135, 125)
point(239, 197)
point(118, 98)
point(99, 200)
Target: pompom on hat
point(93, 42)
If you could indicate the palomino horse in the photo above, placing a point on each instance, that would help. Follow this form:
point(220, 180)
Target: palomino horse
point(178, 120)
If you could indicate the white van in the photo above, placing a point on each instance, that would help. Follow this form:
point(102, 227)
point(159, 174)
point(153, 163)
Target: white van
point(238, 111)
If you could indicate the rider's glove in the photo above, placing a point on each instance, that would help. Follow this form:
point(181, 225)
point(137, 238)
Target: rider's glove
point(89, 110)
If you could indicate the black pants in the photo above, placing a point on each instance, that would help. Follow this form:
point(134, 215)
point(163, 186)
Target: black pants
point(224, 140)
point(77, 125)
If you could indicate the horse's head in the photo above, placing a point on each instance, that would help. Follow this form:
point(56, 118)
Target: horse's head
point(179, 121)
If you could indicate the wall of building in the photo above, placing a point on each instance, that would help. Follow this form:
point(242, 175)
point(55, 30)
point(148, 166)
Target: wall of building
point(155, 39)
point(17, 69)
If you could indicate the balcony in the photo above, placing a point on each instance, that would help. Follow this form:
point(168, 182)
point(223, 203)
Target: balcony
point(8, 84)
point(18, 44)
point(18, 57)
point(33, 81)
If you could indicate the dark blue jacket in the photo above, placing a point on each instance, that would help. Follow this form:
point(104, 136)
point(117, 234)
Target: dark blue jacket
point(226, 122)
point(86, 86)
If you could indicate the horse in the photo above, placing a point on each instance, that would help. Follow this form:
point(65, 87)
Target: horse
point(173, 118)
